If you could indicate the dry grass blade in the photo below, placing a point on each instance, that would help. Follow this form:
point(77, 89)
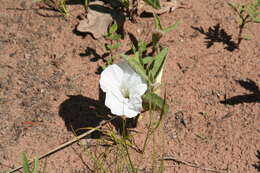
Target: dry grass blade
point(62, 146)
point(193, 165)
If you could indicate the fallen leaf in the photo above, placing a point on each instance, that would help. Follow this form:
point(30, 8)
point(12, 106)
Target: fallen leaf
point(98, 19)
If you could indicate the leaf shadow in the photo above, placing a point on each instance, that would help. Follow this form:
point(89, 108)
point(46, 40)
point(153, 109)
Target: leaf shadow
point(75, 2)
point(249, 85)
point(257, 165)
point(216, 34)
point(94, 57)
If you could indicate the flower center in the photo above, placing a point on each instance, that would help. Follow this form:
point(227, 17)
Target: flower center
point(125, 92)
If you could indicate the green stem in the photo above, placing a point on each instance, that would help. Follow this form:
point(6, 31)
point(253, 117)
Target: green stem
point(125, 146)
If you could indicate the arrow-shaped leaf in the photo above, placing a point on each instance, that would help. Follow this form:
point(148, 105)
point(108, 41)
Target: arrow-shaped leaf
point(151, 101)
point(134, 62)
point(158, 63)
point(170, 28)
point(154, 3)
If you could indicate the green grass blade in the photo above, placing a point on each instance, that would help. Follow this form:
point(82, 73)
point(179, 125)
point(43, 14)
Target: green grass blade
point(36, 166)
point(26, 168)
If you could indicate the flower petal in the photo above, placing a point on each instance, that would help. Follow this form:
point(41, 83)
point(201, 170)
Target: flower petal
point(138, 89)
point(114, 104)
point(133, 107)
point(128, 71)
point(135, 103)
point(130, 113)
point(111, 78)
point(116, 78)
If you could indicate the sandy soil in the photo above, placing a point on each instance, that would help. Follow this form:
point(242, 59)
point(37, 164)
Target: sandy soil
point(49, 84)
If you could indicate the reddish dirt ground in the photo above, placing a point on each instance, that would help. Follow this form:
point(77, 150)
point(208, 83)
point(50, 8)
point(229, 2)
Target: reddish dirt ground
point(212, 89)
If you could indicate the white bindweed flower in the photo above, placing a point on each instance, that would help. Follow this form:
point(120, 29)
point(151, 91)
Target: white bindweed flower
point(123, 88)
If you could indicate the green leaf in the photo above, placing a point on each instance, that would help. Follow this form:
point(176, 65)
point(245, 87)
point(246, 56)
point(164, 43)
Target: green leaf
point(135, 63)
point(147, 60)
point(256, 20)
point(26, 168)
point(158, 25)
point(158, 63)
point(36, 165)
point(241, 8)
point(157, 22)
point(113, 36)
point(152, 101)
point(141, 47)
point(170, 28)
point(113, 28)
point(125, 3)
point(112, 47)
point(154, 3)
point(156, 36)
point(257, 3)
point(86, 3)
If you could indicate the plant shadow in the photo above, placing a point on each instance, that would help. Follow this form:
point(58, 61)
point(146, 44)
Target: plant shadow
point(94, 57)
point(249, 85)
point(257, 165)
point(82, 114)
point(216, 34)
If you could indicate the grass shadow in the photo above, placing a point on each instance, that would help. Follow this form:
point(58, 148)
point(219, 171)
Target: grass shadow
point(249, 85)
point(216, 34)
point(257, 165)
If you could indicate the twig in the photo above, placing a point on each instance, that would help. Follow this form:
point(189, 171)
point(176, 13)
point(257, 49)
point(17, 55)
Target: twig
point(62, 146)
point(193, 165)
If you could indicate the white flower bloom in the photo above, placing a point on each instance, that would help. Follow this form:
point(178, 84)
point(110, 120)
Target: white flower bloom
point(123, 88)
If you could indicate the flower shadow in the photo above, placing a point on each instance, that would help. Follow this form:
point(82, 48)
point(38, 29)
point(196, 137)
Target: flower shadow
point(122, 126)
point(80, 112)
